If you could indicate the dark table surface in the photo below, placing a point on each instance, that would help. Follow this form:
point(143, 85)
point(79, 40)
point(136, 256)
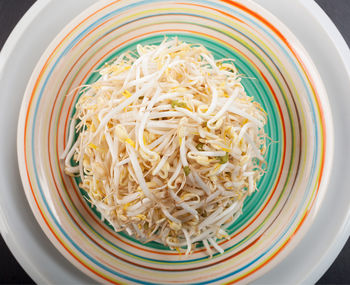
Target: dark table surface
point(10, 13)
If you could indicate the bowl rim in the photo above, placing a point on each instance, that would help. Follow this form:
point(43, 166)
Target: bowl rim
point(265, 14)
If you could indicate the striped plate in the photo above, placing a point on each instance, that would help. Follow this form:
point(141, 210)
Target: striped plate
point(276, 71)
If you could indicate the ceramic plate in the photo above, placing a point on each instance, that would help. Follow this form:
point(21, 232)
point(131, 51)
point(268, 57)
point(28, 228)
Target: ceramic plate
point(23, 235)
point(277, 72)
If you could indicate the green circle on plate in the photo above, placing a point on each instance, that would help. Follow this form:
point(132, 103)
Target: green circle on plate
point(256, 87)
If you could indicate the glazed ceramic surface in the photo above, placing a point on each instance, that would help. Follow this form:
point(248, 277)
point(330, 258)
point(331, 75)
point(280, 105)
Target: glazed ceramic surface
point(279, 75)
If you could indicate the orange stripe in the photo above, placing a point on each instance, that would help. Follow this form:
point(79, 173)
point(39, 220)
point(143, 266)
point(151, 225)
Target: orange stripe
point(214, 9)
point(254, 14)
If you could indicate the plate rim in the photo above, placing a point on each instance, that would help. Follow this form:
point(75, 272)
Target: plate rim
point(321, 96)
point(16, 34)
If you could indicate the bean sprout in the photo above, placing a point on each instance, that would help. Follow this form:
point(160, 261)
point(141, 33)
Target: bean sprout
point(169, 144)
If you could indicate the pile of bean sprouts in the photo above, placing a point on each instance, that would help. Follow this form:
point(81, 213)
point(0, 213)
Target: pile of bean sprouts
point(169, 144)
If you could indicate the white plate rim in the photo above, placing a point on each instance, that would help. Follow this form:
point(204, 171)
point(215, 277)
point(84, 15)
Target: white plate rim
point(339, 239)
point(342, 236)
